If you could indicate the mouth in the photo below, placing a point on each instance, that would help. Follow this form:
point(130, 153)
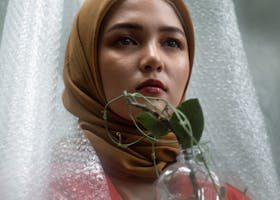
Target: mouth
point(151, 87)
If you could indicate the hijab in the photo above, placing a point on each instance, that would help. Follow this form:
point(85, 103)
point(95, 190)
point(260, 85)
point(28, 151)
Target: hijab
point(84, 97)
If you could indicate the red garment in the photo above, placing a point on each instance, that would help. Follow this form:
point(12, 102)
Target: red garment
point(83, 186)
point(113, 192)
point(232, 193)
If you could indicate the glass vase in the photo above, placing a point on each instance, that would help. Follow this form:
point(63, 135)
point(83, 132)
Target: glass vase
point(188, 179)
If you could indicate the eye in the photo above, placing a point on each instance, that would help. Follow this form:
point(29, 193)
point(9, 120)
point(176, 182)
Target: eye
point(125, 41)
point(173, 43)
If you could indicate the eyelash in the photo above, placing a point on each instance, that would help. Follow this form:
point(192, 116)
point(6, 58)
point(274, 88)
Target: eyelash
point(126, 41)
point(176, 43)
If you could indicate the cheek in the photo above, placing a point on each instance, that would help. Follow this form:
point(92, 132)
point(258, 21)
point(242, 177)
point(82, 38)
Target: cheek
point(180, 76)
point(116, 72)
point(107, 72)
point(115, 79)
point(183, 71)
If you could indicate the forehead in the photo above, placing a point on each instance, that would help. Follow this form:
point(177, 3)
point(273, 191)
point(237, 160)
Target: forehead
point(153, 12)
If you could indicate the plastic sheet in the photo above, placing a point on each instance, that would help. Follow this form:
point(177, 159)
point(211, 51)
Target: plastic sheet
point(33, 120)
point(235, 126)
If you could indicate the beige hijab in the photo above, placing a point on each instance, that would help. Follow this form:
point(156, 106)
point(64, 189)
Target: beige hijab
point(84, 97)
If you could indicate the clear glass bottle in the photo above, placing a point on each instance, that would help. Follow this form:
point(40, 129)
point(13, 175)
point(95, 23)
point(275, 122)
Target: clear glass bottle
point(188, 179)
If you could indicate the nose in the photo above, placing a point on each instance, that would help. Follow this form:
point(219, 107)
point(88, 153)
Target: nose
point(151, 59)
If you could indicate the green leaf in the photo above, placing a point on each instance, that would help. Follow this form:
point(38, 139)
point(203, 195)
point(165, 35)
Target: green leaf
point(182, 136)
point(153, 124)
point(193, 111)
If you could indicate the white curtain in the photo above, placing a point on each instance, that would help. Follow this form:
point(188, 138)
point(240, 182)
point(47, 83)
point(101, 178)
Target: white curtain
point(234, 122)
point(33, 120)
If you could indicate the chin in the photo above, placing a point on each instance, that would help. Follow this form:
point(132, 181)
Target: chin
point(123, 110)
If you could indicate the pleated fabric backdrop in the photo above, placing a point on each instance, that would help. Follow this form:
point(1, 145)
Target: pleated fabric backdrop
point(33, 120)
point(234, 122)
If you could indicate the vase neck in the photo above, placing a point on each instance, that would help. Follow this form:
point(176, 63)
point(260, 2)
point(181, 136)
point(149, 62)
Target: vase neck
point(185, 154)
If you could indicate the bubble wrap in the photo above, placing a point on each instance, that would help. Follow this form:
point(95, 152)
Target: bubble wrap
point(234, 123)
point(35, 128)
point(76, 172)
point(3, 7)
point(37, 161)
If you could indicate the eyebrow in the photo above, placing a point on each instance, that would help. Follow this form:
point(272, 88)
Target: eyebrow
point(125, 26)
point(171, 29)
point(136, 26)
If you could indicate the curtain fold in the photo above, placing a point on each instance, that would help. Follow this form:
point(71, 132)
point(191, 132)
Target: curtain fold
point(32, 116)
point(33, 120)
point(3, 8)
point(239, 142)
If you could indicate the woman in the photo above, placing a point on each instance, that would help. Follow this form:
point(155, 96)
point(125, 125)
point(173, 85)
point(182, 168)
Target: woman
point(144, 46)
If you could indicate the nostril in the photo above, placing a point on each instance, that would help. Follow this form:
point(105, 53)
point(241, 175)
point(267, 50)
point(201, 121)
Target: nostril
point(159, 68)
point(148, 67)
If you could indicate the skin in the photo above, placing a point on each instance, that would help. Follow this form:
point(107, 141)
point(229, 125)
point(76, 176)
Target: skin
point(143, 40)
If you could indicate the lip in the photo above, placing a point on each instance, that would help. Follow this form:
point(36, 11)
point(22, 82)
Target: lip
point(151, 87)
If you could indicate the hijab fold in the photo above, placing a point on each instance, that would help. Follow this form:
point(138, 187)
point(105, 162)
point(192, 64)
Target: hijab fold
point(84, 97)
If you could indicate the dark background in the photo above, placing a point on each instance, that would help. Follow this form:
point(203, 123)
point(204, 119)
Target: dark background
point(259, 23)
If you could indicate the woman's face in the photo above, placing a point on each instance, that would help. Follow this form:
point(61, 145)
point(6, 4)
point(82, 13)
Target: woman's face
point(143, 48)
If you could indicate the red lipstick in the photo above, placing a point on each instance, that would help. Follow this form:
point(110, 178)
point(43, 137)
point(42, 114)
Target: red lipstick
point(151, 87)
